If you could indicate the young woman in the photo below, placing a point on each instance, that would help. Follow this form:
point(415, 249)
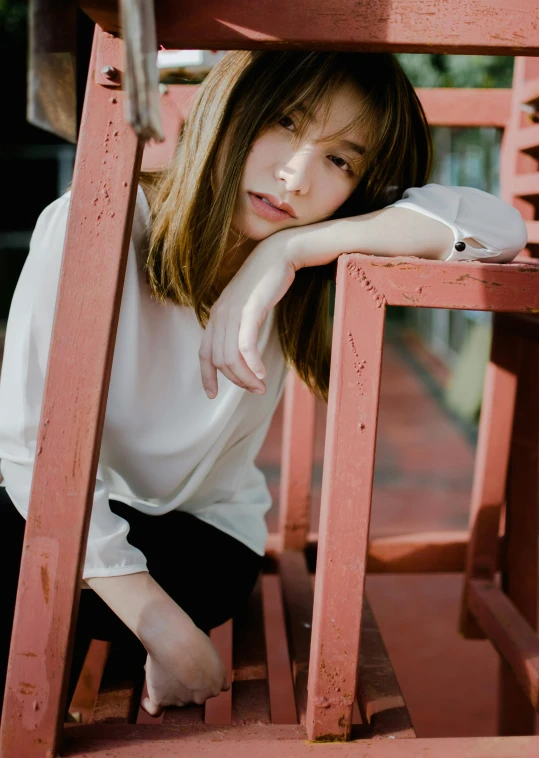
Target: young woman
point(286, 161)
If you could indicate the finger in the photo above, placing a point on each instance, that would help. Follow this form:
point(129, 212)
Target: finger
point(251, 323)
point(208, 372)
point(234, 359)
point(218, 357)
point(152, 709)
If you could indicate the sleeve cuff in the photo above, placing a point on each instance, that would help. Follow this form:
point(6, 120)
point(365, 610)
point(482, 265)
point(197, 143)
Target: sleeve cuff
point(470, 214)
point(136, 568)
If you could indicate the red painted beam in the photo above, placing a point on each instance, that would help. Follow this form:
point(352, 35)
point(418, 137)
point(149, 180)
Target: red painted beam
point(448, 106)
point(470, 285)
point(451, 26)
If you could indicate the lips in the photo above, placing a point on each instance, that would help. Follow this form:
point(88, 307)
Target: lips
point(272, 203)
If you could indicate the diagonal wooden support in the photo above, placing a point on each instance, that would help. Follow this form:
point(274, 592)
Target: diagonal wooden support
point(69, 437)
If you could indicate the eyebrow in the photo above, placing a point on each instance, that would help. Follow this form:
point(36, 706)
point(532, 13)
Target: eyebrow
point(360, 149)
point(355, 146)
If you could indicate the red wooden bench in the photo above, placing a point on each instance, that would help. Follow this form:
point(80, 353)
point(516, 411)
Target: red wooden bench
point(291, 682)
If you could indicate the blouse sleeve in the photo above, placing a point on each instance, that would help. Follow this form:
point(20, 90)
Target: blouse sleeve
point(21, 392)
point(473, 214)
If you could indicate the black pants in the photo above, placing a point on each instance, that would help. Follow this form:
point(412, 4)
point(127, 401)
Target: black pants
point(208, 573)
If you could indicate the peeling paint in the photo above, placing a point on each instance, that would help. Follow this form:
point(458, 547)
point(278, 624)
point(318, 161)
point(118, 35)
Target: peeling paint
point(359, 274)
point(359, 365)
point(45, 583)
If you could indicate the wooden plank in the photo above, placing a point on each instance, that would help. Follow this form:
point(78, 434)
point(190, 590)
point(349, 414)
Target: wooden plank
point(298, 603)
point(380, 699)
point(87, 689)
point(449, 106)
point(281, 688)
point(250, 694)
point(218, 710)
point(469, 285)
point(519, 578)
point(525, 185)
point(529, 92)
point(346, 504)
point(512, 636)
point(491, 465)
point(285, 741)
point(296, 463)
point(422, 552)
point(527, 139)
point(414, 553)
point(533, 232)
point(454, 26)
point(69, 435)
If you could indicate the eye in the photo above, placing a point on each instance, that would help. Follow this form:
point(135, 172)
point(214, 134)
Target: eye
point(286, 122)
point(341, 163)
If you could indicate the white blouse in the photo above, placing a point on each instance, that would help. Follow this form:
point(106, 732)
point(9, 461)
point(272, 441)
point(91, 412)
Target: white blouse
point(165, 445)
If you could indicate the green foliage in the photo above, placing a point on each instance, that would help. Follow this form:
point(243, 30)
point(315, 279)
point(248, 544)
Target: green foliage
point(457, 70)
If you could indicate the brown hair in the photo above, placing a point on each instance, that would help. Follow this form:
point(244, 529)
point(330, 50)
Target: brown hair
point(242, 96)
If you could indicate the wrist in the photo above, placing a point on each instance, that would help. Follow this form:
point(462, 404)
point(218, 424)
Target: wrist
point(291, 247)
point(144, 607)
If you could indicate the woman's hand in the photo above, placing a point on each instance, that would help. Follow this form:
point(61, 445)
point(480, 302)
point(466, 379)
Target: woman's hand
point(230, 339)
point(189, 670)
point(183, 665)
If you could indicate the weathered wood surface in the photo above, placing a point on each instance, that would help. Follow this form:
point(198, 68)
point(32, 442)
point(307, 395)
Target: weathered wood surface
point(70, 430)
point(286, 741)
point(469, 285)
point(346, 504)
point(429, 26)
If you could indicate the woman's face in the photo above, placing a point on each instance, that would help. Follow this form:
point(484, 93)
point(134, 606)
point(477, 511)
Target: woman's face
point(302, 183)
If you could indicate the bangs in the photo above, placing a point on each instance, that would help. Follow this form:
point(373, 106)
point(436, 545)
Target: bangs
point(312, 102)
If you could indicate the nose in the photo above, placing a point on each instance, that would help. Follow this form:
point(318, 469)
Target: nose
point(296, 171)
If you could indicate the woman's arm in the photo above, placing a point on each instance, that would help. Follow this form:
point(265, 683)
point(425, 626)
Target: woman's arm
point(426, 223)
point(182, 666)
